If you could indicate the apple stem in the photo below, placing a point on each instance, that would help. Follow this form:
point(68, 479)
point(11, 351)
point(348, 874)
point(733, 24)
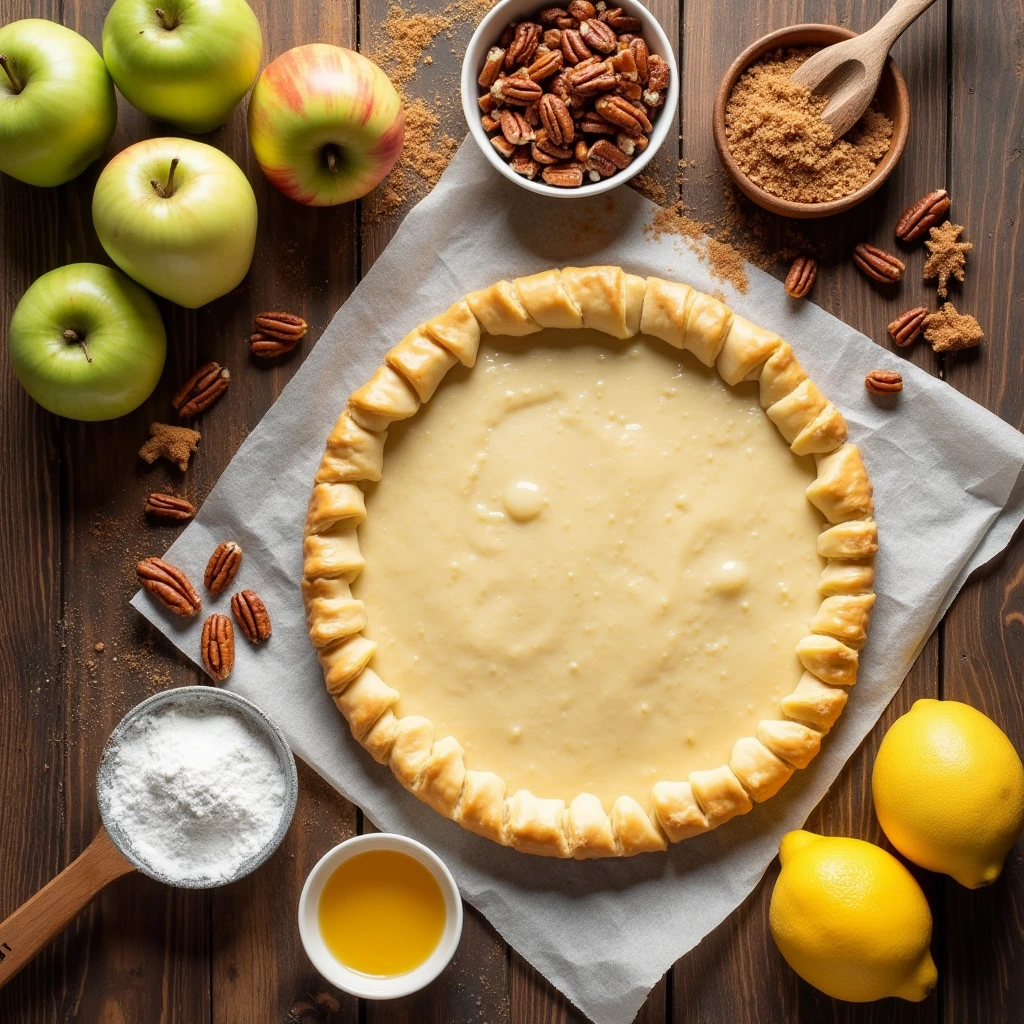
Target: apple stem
point(8, 65)
point(332, 157)
point(165, 191)
point(165, 19)
point(74, 338)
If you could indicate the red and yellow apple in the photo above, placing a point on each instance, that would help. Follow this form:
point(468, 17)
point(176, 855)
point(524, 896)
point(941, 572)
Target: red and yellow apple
point(325, 123)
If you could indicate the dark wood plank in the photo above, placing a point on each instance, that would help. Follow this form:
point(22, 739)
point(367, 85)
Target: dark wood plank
point(31, 708)
point(714, 982)
point(983, 976)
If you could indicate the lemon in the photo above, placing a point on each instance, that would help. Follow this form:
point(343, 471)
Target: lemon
point(949, 790)
point(851, 920)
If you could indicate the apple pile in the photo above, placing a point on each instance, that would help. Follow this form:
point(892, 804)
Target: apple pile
point(177, 216)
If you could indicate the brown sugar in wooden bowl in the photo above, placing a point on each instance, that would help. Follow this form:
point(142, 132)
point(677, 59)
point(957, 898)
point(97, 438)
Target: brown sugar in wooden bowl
point(892, 99)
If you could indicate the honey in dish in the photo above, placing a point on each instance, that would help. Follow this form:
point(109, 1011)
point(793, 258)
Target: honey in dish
point(381, 913)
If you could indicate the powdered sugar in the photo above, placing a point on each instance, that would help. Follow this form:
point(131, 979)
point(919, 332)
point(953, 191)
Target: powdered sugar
point(195, 793)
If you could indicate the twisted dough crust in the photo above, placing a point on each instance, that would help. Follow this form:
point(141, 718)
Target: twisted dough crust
point(433, 768)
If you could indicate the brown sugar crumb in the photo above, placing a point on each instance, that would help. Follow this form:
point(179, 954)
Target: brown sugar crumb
point(406, 36)
point(169, 442)
point(649, 187)
point(949, 331)
point(723, 260)
point(99, 647)
point(776, 135)
point(947, 256)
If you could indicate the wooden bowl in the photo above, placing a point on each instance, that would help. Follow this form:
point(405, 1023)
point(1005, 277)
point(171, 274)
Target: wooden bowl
point(892, 98)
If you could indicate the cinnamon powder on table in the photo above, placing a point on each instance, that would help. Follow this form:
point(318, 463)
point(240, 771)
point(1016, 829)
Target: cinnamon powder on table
point(775, 133)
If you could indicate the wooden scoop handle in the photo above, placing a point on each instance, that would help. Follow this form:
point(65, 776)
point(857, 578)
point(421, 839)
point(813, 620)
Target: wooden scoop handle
point(44, 916)
point(894, 23)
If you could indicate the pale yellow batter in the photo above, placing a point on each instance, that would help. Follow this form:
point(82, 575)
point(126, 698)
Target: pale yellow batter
point(581, 552)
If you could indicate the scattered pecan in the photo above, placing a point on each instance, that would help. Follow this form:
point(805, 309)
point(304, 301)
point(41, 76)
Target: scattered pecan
point(878, 264)
point(524, 45)
point(883, 382)
point(218, 646)
point(222, 567)
point(907, 326)
point(169, 585)
point(281, 326)
point(516, 128)
point(265, 347)
point(568, 175)
point(922, 215)
point(169, 506)
point(492, 67)
point(201, 390)
point(251, 615)
point(801, 276)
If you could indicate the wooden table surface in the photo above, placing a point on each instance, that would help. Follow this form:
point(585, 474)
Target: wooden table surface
point(73, 528)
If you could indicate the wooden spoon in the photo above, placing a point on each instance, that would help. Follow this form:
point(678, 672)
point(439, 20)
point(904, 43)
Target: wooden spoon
point(34, 924)
point(849, 72)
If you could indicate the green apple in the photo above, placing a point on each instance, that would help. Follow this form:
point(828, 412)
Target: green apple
point(87, 342)
point(57, 105)
point(179, 217)
point(325, 124)
point(187, 62)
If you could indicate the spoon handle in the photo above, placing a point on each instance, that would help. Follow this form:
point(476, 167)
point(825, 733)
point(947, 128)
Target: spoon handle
point(895, 22)
point(46, 914)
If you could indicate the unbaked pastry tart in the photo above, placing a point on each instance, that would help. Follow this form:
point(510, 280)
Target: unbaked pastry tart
point(592, 607)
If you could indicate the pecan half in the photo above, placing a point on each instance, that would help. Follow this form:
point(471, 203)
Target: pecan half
point(564, 175)
point(489, 124)
point(883, 382)
point(265, 347)
point(581, 10)
point(594, 124)
point(503, 146)
point(592, 79)
point(624, 64)
point(631, 144)
point(222, 567)
point(907, 326)
point(623, 114)
point(524, 45)
point(519, 90)
point(546, 65)
point(630, 90)
point(281, 326)
point(641, 56)
point(492, 67)
point(657, 81)
point(218, 646)
point(606, 158)
point(573, 48)
point(619, 21)
point(169, 585)
point(169, 506)
point(251, 615)
point(580, 151)
point(557, 120)
point(201, 390)
point(557, 16)
point(923, 215)
point(544, 151)
point(878, 264)
point(599, 36)
point(516, 128)
point(553, 38)
point(523, 163)
point(801, 277)
point(487, 102)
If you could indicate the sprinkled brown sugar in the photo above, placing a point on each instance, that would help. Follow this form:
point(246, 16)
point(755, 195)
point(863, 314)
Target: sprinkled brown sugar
point(776, 135)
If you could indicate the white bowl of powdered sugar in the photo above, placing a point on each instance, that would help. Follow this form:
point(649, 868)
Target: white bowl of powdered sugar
point(197, 787)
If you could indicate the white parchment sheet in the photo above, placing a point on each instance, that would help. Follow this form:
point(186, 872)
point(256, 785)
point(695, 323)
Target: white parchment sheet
point(944, 471)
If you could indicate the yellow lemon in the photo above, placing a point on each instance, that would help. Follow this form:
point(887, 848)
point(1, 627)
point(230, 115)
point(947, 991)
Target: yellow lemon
point(851, 920)
point(949, 790)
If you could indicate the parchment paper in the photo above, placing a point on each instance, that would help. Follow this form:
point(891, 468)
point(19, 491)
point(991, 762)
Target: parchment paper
point(944, 469)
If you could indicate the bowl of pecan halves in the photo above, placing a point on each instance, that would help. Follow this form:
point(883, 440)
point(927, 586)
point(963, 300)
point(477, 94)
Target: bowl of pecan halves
point(572, 100)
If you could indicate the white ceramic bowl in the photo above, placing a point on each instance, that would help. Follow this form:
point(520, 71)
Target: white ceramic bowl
point(364, 985)
point(486, 35)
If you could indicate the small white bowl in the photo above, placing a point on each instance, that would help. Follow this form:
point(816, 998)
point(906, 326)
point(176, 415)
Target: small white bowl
point(487, 34)
point(356, 983)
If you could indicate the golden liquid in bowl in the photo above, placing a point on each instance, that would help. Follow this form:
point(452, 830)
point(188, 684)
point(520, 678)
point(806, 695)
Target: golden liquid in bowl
point(381, 913)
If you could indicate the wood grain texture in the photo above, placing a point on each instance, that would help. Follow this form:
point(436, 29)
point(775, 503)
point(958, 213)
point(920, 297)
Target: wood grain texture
point(74, 529)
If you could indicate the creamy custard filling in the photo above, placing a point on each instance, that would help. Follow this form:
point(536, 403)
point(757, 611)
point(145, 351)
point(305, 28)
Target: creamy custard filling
point(589, 561)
